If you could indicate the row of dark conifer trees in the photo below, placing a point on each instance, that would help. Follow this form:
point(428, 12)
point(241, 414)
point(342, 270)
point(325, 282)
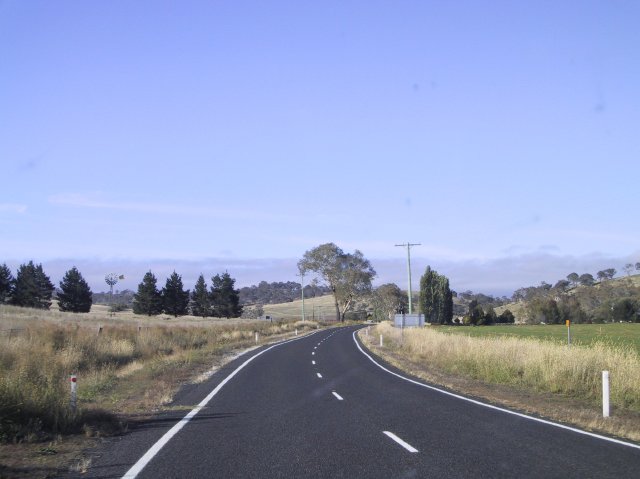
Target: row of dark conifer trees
point(32, 288)
point(222, 300)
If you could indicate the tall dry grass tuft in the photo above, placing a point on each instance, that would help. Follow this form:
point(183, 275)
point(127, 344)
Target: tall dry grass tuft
point(574, 371)
point(36, 362)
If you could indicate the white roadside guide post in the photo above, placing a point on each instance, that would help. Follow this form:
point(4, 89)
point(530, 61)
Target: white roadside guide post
point(381, 343)
point(74, 393)
point(256, 337)
point(605, 393)
point(568, 332)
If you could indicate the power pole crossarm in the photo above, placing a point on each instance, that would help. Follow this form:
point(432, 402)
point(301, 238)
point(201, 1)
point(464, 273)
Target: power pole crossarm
point(409, 245)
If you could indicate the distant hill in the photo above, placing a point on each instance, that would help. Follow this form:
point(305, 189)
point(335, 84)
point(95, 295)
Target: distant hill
point(320, 308)
point(613, 300)
point(279, 292)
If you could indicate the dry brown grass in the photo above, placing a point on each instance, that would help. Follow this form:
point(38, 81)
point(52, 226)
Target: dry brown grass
point(319, 308)
point(45, 347)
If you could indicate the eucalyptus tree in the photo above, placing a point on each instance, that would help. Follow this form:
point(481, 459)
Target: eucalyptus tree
point(388, 299)
point(586, 279)
point(574, 278)
point(348, 275)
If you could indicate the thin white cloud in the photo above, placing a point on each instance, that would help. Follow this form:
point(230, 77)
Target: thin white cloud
point(13, 208)
point(96, 201)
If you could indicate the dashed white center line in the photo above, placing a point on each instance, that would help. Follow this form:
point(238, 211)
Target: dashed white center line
point(338, 397)
point(404, 444)
point(313, 362)
point(319, 375)
point(312, 354)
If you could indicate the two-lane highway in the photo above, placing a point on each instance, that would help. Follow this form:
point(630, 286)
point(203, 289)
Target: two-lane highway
point(319, 406)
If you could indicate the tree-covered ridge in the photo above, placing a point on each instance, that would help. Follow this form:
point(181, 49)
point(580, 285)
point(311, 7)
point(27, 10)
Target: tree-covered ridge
point(280, 292)
point(581, 298)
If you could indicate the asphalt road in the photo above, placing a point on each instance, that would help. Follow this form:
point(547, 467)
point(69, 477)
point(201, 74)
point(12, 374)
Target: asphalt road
point(317, 407)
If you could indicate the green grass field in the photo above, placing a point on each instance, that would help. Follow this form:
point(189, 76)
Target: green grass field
point(625, 334)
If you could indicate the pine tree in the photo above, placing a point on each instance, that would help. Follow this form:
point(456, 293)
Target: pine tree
point(175, 299)
point(148, 299)
point(32, 287)
point(6, 283)
point(200, 299)
point(225, 299)
point(76, 295)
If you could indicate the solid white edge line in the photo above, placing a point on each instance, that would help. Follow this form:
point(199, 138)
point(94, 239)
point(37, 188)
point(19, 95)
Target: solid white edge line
point(151, 453)
point(496, 408)
point(338, 397)
point(404, 444)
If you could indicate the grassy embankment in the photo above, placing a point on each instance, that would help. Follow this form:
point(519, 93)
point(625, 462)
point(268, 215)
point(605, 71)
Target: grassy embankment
point(133, 366)
point(319, 308)
point(537, 362)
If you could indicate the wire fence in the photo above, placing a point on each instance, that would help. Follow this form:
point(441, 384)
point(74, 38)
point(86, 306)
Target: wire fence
point(11, 332)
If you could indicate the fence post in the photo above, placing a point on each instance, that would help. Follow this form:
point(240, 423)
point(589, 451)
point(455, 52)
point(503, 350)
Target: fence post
point(605, 393)
point(73, 402)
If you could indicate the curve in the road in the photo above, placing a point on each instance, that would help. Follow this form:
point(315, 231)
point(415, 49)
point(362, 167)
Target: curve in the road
point(491, 406)
point(155, 449)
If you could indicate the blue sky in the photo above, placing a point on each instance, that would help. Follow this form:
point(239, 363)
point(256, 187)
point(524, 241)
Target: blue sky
point(210, 135)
